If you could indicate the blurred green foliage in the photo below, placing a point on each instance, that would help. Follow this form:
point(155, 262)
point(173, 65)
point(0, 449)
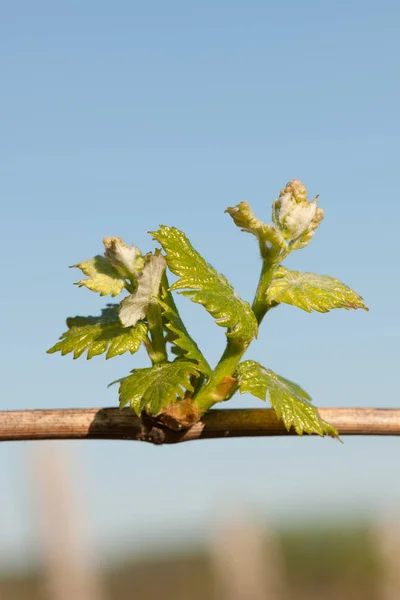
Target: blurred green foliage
point(330, 562)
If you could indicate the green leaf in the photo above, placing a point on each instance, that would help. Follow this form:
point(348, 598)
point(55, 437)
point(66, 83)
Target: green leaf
point(206, 286)
point(154, 388)
point(312, 292)
point(100, 334)
point(102, 276)
point(178, 336)
point(134, 307)
point(291, 403)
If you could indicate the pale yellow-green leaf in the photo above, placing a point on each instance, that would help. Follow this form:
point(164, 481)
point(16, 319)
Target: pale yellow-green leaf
point(290, 402)
point(102, 277)
point(312, 292)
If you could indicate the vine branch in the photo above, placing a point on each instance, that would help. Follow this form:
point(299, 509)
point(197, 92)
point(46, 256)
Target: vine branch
point(113, 423)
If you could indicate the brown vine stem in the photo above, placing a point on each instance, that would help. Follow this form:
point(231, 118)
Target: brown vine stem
point(113, 423)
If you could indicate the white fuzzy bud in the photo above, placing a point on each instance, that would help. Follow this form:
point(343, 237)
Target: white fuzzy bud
point(293, 214)
point(126, 259)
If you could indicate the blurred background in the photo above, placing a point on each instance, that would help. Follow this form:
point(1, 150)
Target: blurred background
point(116, 117)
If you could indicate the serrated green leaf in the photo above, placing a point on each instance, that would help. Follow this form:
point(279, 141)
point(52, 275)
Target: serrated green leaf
point(102, 276)
point(134, 307)
point(291, 403)
point(312, 292)
point(205, 285)
point(100, 334)
point(182, 343)
point(154, 388)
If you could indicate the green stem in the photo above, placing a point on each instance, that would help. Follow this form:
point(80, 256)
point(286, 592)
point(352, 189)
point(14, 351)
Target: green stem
point(157, 351)
point(221, 385)
point(260, 304)
point(218, 386)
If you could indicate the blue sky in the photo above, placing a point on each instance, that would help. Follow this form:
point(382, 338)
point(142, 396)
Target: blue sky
point(119, 116)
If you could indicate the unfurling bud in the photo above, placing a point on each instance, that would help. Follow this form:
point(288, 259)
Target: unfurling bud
point(296, 218)
point(244, 218)
point(126, 259)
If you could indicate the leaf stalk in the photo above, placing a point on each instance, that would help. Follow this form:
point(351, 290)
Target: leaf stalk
point(157, 350)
